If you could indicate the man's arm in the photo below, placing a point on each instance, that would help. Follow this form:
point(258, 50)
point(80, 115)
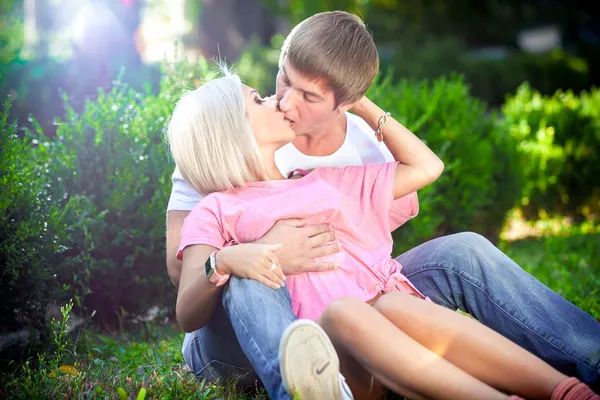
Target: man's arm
point(174, 224)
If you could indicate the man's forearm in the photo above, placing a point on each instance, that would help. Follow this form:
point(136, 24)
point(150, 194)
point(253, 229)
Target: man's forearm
point(174, 224)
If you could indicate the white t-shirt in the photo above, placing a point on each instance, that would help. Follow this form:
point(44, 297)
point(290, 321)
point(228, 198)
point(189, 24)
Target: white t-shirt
point(360, 147)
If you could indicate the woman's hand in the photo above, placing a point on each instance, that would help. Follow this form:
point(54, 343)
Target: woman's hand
point(361, 107)
point(253, 261)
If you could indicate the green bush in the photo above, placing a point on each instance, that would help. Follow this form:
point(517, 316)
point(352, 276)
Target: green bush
point(559, 137)
point(32, 233)
point(482, 179)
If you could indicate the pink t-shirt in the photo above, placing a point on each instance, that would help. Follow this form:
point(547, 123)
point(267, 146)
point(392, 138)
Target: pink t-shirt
point(356, 201)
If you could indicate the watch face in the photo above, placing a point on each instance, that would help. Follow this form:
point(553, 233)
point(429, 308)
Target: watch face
point(208, 270)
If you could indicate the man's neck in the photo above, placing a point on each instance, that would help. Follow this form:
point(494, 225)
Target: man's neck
point(324, 140)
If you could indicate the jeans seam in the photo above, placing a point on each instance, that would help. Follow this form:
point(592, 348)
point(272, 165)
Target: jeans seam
point(247, 331)
point(574, 357)
point(201, 355)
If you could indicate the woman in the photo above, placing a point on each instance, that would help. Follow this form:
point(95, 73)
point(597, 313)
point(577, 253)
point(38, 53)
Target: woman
point(223, 137)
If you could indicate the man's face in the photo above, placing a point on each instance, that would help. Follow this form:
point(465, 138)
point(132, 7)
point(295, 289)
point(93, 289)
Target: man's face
point(307, 103)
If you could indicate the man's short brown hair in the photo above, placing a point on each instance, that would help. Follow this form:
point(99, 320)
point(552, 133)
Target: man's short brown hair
point(334, 46)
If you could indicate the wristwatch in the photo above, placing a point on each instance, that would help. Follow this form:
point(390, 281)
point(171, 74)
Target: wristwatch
point(210, 270)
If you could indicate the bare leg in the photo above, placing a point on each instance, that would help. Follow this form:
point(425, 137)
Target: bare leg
point(471, 346)
point(395, 359)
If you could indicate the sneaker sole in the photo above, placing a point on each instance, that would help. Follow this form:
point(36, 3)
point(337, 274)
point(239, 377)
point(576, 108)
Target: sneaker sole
point(309, 363)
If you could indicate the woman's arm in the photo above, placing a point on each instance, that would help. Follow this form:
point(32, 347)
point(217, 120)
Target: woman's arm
point(300, 245)
point(418, 165)
point(197, 297)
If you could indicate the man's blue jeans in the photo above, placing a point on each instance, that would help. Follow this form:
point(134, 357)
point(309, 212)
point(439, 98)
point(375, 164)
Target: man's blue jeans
point(462, 271)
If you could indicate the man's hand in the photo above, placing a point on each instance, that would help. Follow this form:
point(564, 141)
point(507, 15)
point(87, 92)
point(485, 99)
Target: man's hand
point(301, 244)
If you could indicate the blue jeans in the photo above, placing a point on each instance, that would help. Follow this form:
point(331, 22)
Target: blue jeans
point(253, 315)
point(459, 271)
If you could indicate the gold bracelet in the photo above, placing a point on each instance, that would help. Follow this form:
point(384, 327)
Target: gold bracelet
point(381, 123)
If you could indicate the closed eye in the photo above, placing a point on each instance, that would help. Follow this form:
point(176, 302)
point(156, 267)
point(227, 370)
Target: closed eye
point(309, 100)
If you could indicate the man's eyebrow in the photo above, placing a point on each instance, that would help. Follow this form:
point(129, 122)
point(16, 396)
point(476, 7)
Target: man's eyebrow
point(308, 92)
point(251, 92)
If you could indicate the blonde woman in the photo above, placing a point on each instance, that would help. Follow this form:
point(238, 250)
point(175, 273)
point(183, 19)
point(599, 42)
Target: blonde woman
point(223, 138)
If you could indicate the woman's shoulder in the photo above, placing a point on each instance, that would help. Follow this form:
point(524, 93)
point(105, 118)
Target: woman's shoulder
point(215, 201)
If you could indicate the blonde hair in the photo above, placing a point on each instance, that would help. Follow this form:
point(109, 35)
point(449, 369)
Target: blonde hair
point(334, 46)
point(210, 137)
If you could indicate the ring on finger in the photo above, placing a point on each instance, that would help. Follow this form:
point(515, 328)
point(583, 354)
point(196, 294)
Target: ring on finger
point(273, 266)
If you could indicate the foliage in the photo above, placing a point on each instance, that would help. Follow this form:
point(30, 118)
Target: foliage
point(32, 232)
point(559, 136)
point(481, 180)
point(258, 65)
point(11, 32)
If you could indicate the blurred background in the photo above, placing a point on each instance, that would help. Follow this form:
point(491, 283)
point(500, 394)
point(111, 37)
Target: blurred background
point(505, 92)
point(78, 46)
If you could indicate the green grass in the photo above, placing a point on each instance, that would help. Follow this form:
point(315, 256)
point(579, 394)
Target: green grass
point(568, 262)
point(148, 364)
point(144, 365)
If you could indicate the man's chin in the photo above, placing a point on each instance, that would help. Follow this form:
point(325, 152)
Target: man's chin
point(298, 129)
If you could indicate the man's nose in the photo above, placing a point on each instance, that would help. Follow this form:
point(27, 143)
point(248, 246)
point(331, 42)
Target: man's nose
point(286, 102)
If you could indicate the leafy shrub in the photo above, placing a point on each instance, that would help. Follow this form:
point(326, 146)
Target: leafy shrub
point(481, 180)
point(32, 230)
point(559, 137)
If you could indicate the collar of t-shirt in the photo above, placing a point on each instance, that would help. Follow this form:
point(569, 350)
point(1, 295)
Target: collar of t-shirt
point(360, 147)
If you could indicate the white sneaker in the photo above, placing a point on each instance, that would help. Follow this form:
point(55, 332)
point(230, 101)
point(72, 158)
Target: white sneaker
point(310, 368)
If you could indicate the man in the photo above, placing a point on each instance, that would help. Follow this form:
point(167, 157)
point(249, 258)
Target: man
point(326, 64)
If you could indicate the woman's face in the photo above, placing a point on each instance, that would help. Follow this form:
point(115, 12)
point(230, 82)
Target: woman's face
point(268, 124)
